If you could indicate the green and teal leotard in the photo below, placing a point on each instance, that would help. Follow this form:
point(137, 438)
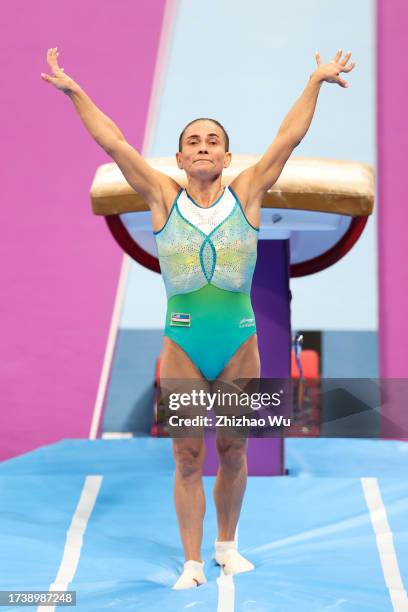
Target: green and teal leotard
point(207, 258)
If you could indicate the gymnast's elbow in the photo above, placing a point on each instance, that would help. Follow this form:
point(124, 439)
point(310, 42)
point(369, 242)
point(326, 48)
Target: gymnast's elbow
point(110, 144)
point(296, 141)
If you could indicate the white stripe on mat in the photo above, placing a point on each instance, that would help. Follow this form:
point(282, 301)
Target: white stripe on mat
point(226, 593)
point(75, 534)
point(385, 544)
point(226, 589)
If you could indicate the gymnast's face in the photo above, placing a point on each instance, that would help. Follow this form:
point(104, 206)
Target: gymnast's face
point(203, 153)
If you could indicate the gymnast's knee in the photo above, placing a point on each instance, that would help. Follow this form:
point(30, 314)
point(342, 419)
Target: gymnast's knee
point(189, 459)
point(232, 453)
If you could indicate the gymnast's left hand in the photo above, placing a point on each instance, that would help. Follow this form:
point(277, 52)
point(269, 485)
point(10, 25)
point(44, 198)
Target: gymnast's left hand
point(331, 72)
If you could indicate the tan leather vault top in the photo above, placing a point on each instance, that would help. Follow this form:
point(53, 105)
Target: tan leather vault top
point(306, 183)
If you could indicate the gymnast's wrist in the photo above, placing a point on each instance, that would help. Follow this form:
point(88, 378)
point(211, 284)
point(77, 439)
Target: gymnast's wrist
point(74, 90)
point(316, 78)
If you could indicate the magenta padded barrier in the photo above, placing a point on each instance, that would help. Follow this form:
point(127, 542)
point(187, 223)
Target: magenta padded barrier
point(392, 94)
point(59, 268)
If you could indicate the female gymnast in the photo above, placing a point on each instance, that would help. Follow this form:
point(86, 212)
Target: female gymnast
point(206, 240)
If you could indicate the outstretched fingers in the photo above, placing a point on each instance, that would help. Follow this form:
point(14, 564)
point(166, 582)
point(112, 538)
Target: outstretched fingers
point(48, 78)
point(349, 67)
point(52, 60)
point(343, 63)
point(331, 71)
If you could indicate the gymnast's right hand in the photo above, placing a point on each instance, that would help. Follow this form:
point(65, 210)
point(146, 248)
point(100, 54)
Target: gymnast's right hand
point(59, 79)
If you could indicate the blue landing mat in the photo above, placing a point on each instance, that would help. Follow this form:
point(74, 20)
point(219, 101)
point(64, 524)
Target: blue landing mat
point(311, 539)
point(345, 457)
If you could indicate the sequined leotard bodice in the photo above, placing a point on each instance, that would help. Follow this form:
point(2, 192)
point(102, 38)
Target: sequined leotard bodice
point(214, 245)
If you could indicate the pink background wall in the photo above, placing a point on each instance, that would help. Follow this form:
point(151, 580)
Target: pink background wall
point(59, 264)
point(392, 20)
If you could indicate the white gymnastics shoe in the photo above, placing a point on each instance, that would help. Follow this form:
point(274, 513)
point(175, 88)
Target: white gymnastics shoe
point(231, 561)
point(192, 576)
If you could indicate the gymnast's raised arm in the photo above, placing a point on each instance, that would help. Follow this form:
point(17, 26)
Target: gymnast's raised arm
point(151, 184)
point(256, 180)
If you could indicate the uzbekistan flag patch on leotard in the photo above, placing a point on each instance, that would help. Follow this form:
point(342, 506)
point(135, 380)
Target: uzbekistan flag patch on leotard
point(180, 319)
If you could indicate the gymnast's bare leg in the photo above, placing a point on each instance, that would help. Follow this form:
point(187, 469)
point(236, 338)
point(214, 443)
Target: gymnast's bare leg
point(188, 486)
point(231, 478)
point(189, 456)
